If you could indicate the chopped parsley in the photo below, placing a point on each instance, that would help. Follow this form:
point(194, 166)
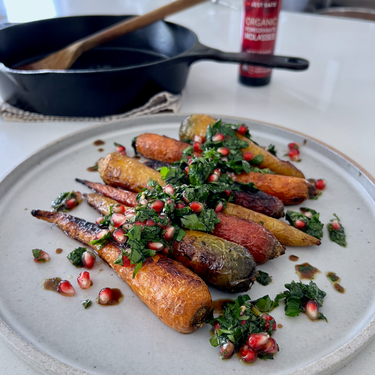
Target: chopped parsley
point(336, 231)
point(75, 257)
point(86, 303)
point(263, 278)
point(313, 225)
point(61, 203)
point(298, 294)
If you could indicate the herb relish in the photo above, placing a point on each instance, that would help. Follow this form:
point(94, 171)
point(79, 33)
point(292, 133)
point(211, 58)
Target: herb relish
point(197, 188)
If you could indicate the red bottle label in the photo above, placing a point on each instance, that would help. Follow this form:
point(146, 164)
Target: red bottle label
point(259, 28)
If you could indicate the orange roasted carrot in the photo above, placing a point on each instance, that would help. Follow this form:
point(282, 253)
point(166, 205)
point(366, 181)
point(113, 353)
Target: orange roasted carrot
point(290, 190)
point(176, 295)
point(160, 147)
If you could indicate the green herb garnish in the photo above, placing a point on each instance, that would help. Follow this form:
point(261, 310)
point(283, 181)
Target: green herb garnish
point(75, 257)
point(298, 294)
point(336, 231)
point(86, 303)
point(313, 225)
point(263, 278)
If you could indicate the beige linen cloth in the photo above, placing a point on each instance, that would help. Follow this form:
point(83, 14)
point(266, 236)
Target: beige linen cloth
point(161, 102)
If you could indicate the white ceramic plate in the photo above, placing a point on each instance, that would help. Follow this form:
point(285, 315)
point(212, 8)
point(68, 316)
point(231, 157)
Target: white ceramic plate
point(56, 335)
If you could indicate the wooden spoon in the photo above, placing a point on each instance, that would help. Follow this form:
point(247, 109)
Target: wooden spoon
point(64, 58)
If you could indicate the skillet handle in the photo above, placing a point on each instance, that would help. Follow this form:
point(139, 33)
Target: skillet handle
point(201, 52)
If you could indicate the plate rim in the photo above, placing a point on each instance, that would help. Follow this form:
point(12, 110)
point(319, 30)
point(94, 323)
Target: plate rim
point(39, 360)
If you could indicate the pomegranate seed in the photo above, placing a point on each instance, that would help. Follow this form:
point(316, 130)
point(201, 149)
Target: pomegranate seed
point(219, 207)
point(196, 206)
point(271, 347)
point(227, 350)
point(142, 224)
point(83, 280)
point(320, 184)
point(243, 322)
point(247, 156)
point(293, 145)
point(198, 139)
point(157, 246)
point(143, 202)
point(311, 309)
point(169, 190)
point(40, 256)
point(127, 226)
point(169, 232)
point(165, 251)
point(242, 129)
point(121, 149)
point(163, 217)
point(88, 259)
point(157, 205)
point(223, 151)
point(99, 220)
point(228, 192)
point(299, 224)
point(232, 176)
point(216, 326)
point(102, 233)
point(213, 178)
point(150, 223)
point(294, 154)
point(105, 296)
point(308, 214)
point(197, 147)
point(119, 209)
point(185, 198)
point(119, 236)
point(129, 214)
point(217, 171)
point(118, 220)
point(225, 160)
point(256, 340)
point(247, 354)
point(78, 196)
point(268, 318)
point(219, 137)
point(336, 225)
point(180, 205)
point(186, 170)
point(126, 261)
point(71, 203)
point(66, 288)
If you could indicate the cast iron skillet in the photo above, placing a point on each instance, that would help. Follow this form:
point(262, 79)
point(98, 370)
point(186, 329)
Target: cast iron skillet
point(110, 79)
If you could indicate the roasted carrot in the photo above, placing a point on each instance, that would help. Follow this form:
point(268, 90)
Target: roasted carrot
point(176, 295)
point(285, 233)
point(125, 197)
point(196, 124)
point(259, 201)
point(290, 190)
point(223, 264)
point(160, 147)
point(122, 171)
point(270, 161)
point(262, 244)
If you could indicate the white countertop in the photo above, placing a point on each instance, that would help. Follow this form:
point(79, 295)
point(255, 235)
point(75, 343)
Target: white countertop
point(333, 101)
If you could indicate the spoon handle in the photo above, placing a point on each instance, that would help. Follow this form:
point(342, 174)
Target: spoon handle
point(132, 24)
